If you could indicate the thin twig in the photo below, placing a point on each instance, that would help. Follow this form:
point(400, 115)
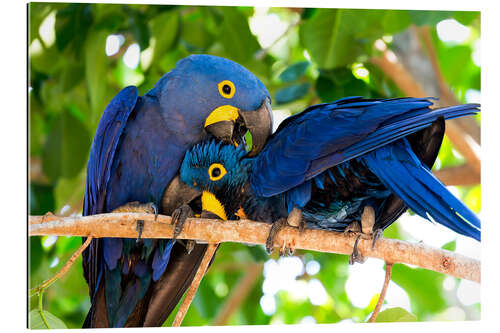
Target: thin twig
point(240, 292)
point(123, 225)
point(195, 284)
point(63, 270)
point(388, 272)
point(40, 309)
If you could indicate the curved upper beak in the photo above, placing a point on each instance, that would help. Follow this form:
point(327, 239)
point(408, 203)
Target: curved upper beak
point(226, 122)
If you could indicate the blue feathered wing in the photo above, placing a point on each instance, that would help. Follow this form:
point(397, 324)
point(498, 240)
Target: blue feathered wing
point(327, 135)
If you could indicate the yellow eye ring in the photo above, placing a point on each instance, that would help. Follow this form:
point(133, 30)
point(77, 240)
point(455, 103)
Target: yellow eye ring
point(226, 89)
point(216, 171)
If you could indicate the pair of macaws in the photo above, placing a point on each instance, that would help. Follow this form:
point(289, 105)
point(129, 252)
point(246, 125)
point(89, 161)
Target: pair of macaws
point(179, 149)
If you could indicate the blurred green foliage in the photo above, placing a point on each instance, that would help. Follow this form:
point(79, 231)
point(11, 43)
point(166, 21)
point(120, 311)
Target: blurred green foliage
point(319, 55)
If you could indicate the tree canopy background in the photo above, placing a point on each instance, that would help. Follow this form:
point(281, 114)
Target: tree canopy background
point(81, 55)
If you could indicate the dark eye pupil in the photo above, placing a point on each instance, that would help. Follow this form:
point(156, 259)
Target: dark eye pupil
point(226, 89)
point(216, 172)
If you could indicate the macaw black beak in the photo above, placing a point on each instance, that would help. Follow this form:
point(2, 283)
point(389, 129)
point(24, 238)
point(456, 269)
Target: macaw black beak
point(177, 194)
point(260, 124)
point(228, 122)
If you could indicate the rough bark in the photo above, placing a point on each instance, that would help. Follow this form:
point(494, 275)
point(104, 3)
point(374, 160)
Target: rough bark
point(244, 231)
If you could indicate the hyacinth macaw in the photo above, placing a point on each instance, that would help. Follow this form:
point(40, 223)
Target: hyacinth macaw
point(332, 163)
point(133, 166)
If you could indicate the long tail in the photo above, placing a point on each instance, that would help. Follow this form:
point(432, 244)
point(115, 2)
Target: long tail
point(403, 173)
point(407, 123)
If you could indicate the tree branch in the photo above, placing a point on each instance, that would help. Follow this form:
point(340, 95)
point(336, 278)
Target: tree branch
point(63, 270)
point(456, 129)
point(239, 293)
point(388, 272)
point(460, 175)
point(245, 231)
point(183, 309)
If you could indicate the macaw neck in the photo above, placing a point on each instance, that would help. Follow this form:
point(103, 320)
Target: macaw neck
point(265, 209)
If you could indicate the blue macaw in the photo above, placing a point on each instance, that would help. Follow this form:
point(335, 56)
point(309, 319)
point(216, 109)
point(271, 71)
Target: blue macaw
point(331, 164)
point(133, 166)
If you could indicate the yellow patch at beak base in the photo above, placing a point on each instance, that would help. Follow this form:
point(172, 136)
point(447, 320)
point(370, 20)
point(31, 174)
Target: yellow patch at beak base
point(211, 204)
point(222, 113)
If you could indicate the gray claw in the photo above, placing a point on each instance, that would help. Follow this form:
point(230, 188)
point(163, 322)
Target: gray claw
point(179, 217)
point(356, 256)
point(155, 209)
point(376, 235)
point(138, 228)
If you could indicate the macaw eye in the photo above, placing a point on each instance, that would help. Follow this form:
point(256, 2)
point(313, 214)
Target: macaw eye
point(226, 89)
point(216, 171)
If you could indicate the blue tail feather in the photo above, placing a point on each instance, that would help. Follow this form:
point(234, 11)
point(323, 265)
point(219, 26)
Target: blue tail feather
point(400, 170)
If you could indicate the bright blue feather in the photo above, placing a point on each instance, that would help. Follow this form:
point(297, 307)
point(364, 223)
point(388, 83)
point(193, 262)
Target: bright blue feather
point(328, 134)
point(403, 173)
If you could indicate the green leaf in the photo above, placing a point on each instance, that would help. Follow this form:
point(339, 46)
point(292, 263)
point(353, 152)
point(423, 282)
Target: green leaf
point(35, 254)
point(450, 246)
point(69, 190)
point(48, 61)
point(308, 12)
point(258, 253)
point(140, 28)
point(164, 28)
point(96, 68)
point(466, 18)
point(291, 93)
point(336, 37)
point(36, 322)
point(41, 199)
point(72, 75)
point(196, 36)
point(37, 14)
point(109, 17)
point(294, 71)
point(339, 82)
point(239, 43)
point(395, 21)
point(473, 198)
point(451, 58)
point(395, 315)
point(429, 17)
point(66, 149)
point(424, 287)
point(73, 20)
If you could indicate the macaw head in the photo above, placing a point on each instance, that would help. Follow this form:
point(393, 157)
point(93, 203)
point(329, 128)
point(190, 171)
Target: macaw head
point(209, 95)
point(220, 171)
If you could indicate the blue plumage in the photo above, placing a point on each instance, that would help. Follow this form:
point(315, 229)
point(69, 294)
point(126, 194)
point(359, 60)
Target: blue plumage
point(332, 160)
point(402, 172)
point(136, 153)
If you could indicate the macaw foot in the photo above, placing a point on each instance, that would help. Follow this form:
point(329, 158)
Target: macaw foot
point(294, 219)
point(187, 243)
point(356, 256)
point(137, 207)
point(363, 229)
point(179, 217)
point(275, 228)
